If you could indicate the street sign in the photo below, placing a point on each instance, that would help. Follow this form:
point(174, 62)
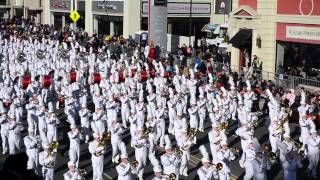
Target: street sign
point(74, 16)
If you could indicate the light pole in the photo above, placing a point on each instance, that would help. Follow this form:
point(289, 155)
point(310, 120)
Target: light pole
point(190, 22)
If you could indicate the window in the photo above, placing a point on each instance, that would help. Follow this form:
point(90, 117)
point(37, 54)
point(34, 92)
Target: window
point(3, 2)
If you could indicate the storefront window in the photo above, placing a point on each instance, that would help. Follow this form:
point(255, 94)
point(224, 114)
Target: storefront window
point(3, 2)
point(299, 59)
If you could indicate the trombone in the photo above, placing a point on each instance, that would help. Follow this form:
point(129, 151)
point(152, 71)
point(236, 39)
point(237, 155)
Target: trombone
point(191, 135)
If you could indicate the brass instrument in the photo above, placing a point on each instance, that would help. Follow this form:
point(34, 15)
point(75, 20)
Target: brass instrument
point(223, 126)
point(134, 163)
point(106, 136)
point(41, 54)
point(235, 150)
point(298, 145)
point(53, 147)
point(218, 166)
point(82, 172)
point(64, 54)
point(191, 135)
point(302, 154)
point(177, 152)
point(171, 176)
point(280, 126)
point(21, 57)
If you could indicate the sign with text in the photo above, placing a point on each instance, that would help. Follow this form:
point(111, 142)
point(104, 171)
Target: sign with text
point(60, 4)
point(298, 33)
point(299, 7)
point(222, 6)
point(107, 6)
point(182, 8)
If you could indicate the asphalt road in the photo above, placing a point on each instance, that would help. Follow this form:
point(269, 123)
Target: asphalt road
point(109, 168)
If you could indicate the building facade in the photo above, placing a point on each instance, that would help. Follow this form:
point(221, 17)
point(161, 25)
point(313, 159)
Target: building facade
point(281, 33)
point(31, 9)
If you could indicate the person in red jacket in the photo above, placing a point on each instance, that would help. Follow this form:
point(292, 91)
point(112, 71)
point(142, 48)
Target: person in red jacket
point(152, 52)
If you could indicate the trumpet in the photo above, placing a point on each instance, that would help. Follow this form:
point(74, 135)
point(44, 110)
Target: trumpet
point(134, 163)
point(82, 172)
point(106, 136)
point(217, 166)
point(271, 155)
point(298, 145)
point(280, 126)
point(171, 176)
point(177, 152)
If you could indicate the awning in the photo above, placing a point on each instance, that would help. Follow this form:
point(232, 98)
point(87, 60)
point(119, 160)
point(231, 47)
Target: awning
point(242, 36)
point(209, 27)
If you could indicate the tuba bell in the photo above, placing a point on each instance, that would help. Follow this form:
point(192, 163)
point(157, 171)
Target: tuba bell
point(22, 57)
point(40, 54)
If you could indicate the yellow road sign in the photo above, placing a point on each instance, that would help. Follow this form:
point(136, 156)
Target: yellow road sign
point(74, 16)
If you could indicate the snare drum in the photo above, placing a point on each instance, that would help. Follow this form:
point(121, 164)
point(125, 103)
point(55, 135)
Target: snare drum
point(26, 80)
point(96, 78)
point(144, 75)
point(73, 76)
point(46, 81)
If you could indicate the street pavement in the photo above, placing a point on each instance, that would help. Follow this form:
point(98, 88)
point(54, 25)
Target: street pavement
point(237, 172)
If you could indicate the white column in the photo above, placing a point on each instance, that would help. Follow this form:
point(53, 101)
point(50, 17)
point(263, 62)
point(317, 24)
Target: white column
point(63, 21)
point(88, 17)
point(39, 17)
point(111, 28)
point(131, 17)
point(46, 14)
point(51, 18)
point(169, 28)
point(95, 25)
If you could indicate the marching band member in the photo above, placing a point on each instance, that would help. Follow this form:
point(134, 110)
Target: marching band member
point(97, 156)
point(171, 112)
point(313, 146)
point(286, 146)
point(47, 160)
point(215, 138)
point(116, 131)
point(160, 124)
point(32, 143)
point(206, 171)
point(14, 137)
point(42, 124)
point(85, 114)
point(125, 170)
point(245, 136)
point(125, 110)
point(275, 133)
point(75, 137)
point(31, 112)
point(185, 146)
point(169, 160)
point(306, 124)
point(193, 114)
point(141, 145)
point(4, 122)
point(201, 104)
point(225, 156)
point(73, 173)
point(249, 154)
point(52, 122)
point(98, 121)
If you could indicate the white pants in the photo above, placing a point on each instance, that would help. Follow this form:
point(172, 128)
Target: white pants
point(47, 173)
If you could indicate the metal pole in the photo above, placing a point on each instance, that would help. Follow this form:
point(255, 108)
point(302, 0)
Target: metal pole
point(74, 8)
point(190, 22)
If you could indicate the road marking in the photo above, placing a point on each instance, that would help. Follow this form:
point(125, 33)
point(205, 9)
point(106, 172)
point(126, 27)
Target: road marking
point(107, 175)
